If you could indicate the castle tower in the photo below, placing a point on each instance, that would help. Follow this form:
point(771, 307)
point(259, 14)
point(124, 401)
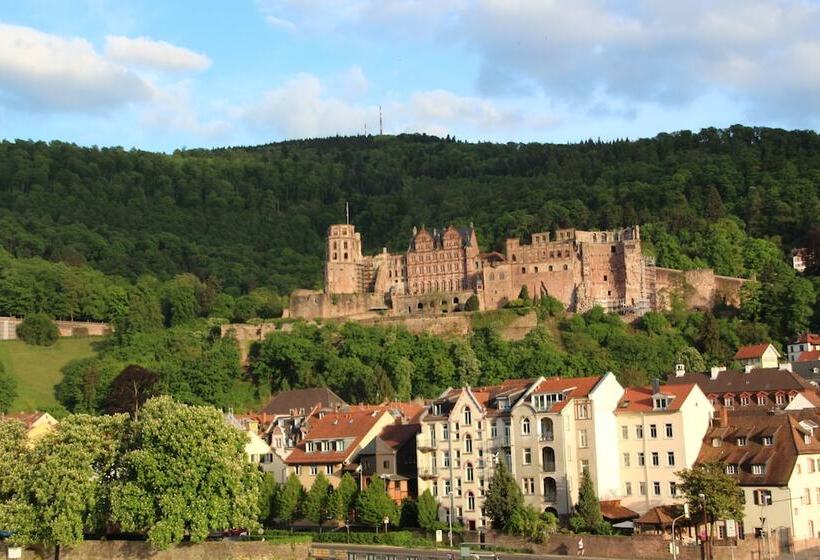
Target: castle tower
point(343, 261)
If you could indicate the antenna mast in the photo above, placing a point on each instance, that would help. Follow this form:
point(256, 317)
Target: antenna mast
point(381, 127)
point(347, 213)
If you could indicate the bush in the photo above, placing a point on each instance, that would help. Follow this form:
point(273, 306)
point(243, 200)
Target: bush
point(549, 306)
point(472, 303)
point(405, 539)
point(38, 329)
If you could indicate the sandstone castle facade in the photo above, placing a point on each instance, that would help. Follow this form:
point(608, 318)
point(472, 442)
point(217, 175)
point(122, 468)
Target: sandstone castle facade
point(442, 269)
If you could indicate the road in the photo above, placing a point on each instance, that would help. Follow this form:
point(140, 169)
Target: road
point(333, 551)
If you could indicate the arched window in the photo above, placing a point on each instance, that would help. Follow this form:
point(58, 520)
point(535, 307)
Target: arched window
point(468, 444)
point(525, 426)
point(470, 501)
point(469, 472)
point(546, 429)
point(550, 489)
point(548, 459)
point(468, 416)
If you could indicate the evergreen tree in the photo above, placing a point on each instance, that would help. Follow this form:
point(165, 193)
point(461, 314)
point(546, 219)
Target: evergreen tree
point(289, 499)
point(403, 374)
point(504, 498)
point(409, 513)
point(318, 501)
point(268, 497)
point(344, 498)
point(428, 511)
point(588, 515)
point(374, 504)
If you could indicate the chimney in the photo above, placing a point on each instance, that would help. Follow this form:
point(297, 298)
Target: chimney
point(680, 370)
point(748, 368)
point(656, 386)
point(715, 371)
point(785, 366)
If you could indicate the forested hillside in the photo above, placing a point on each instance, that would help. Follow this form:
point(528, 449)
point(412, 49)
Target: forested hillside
point(251, 217)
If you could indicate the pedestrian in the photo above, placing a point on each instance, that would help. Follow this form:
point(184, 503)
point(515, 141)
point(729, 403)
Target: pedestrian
point(580, 547)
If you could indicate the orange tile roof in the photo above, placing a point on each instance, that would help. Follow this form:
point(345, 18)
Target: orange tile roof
point(808, 338)
point(639, 399)
point(351, 424)
point(27, 418)
point(751, 351)
point(572, 387)
point(809, 356)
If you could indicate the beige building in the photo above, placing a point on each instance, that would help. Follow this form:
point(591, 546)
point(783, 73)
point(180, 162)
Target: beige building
point(37, 424)
point(560, 427)
point(660, 431)
point(758, 356)
point(463, 433)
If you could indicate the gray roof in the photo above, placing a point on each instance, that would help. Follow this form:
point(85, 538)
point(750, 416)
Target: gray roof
point(284, 401)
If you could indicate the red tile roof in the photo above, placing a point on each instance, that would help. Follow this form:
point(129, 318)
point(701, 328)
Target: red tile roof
point(809, 356)
point(572, 387)
point(639, 399)
point(27, 418)
point(808, 338)
point(352, 426)
point(751, 351)
point(613, 511)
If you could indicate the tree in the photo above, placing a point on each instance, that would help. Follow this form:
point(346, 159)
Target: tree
point(344, 497)
point(504, 498)
point(130, 390)
point(691, 359)
point(185, 475)
point(38, 329)
point(268, 495)
point(289, 499)
point(472, 303)
point(403, 374)
point(318, 502)
point(587, 516)
point(428, 512)
point(8, 390)
point(723, 496)
point(374, 504)
point(409, 512)
point(524, 295)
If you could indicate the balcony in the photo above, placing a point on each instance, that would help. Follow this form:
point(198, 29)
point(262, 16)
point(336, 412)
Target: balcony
point(424, 443)
point(546, 437)
point(428, 473)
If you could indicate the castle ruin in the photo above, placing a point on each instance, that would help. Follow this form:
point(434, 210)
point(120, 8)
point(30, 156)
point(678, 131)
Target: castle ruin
point(442, 269)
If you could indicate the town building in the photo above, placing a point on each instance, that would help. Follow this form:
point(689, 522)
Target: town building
point(37, 424)
point(807, 366)
point(775, 458)
point(558, 428)
point(443, 269)
point(391, 456)
point(800, 257)
point(767, 388)
point(257, 449)
point(806, 342)
point(660, 431)
point(758, 356)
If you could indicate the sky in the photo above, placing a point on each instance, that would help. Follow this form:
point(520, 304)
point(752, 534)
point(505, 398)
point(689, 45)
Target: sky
point(162, 75)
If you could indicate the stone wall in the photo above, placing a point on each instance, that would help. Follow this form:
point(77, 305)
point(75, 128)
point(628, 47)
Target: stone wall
point(700, 289)
point(129, 550)
point(8, 328)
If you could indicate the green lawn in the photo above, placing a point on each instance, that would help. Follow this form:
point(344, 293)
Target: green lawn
point(37, 368)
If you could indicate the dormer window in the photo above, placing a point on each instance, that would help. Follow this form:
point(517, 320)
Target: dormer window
point(758, 469)
point(768, 440)
point(731, 469)
point(660, 403)
point(729, 402)
point(503, 403)
point(437, 409)
point(741, 441)
point(716, 441)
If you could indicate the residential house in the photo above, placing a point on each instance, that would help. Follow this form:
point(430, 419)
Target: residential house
point(660, 431)
point(391, 456)
point(559, 427)
point(807, 366)
point(463, 432)
point(758, 356)
point(256, 448)
point(775, 458)
point(37, 424)
point(767, 388)
point(333, 442)
point(806, 342)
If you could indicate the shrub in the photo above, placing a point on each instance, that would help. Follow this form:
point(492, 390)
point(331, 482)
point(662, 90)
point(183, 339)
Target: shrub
point(38, 329)
point(405, 539)
point(472, 303)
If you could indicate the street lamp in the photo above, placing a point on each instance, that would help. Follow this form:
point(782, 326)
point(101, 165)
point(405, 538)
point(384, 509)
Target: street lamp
point(705, 535)
point(674, 539)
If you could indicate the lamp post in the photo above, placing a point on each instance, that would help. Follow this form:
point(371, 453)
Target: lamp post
point(706, 541)
point(452, 482)
point(674, 539)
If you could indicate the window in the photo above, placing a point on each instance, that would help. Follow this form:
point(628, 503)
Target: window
point(447, 487)
point(660, 403)
point(729, 402)
point(625, 432)
point(435, 489)
point(328, 469)
point(780, 398)
point(628, 488)
point(811, 465)
point(669, 430)
point(493, 430)
point(314, 470)
point(653, 431)
point(768, 440)
point(503, 403)
point(626, 459)
point(762, 497)
point(458, 487)
point(761, 400)
point(525, 426)
point(716, 442)
point(642, 487)
point(298, 470)
point(656, 488)
point(446, 459)
point(741, 441)
point(807, 497)
point(758, 469)
point(582, 439)
point(582, 411)
point(445, 431)
point(656, 461)
point(744, 400)
point(584, 465)
point(468, 416)
point(386, 464)
point(641, 459)
point(670, 458)
point(731, 469)
point(673, 489)
point(470, 501)
point(527, 456)
point(469, 472)
point(639, 431)
point(528, 485)
point(468, 444)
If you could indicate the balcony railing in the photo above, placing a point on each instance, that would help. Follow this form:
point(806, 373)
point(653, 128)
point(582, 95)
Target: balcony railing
point(546, 437)
point(425, 443)
point(549, 467)
point(428, 473)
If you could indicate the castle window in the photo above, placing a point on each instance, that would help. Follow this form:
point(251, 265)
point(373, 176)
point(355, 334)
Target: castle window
point(552, 254)
point(335, 256)
point(345, 244)
point(536, 269)
point(612, 249)
point(605, 277)
point(345, 256)
point(566, 267)
point(334, 244)
point(523, 270)
point(550, 268)
point(513, 258)
point(421, 306)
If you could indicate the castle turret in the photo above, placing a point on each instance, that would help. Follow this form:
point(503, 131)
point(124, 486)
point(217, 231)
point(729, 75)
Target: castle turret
point(344, 256)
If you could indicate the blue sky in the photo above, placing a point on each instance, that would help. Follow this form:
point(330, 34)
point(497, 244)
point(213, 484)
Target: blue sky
point(162, 75)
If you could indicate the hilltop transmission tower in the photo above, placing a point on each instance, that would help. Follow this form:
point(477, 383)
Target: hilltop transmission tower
point(381, 125)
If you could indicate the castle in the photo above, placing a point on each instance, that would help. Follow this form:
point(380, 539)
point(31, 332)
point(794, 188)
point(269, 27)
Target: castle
point(442, 269)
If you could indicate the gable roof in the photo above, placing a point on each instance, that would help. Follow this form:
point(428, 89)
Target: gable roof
point(639, 399)
point(807, 338)
point(733, 381)
point(28, 418)
point(571, 387)
point(283, 402)
point(752, 351)
point(351, 426)
point(778, 458)
point(808, 356)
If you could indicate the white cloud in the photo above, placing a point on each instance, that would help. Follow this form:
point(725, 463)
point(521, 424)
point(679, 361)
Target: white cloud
point(350, 84)
point(159, 55)
point(173, 110)
point(274, 21)
point(40, 71)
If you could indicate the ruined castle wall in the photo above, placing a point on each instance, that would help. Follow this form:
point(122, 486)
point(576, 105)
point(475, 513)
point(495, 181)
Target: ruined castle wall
point(318, 305)
point(430, 304)
point(700, 289)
